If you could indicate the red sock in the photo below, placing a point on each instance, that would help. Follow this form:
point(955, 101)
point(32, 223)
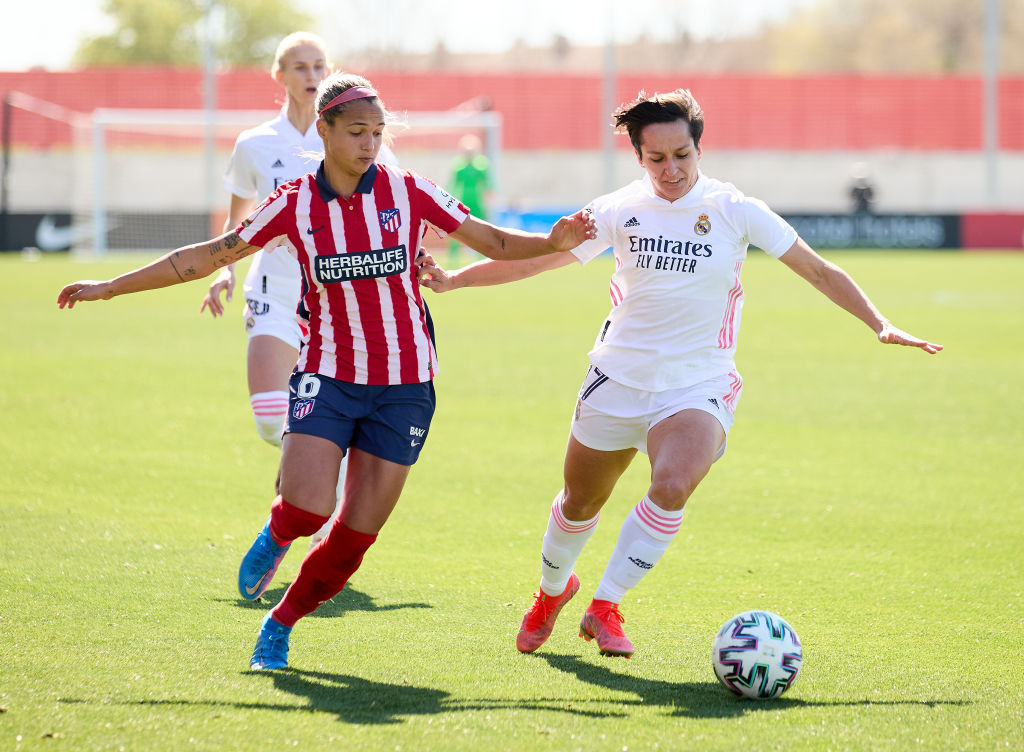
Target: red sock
point(323, 573)
point(288, 522)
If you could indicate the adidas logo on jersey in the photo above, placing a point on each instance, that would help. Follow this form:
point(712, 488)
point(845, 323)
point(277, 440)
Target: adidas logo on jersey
point(278, 164)
point(632, 222)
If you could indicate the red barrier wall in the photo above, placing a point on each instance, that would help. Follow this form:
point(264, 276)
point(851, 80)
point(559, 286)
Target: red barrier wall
point(979, 230)
point(842, 112)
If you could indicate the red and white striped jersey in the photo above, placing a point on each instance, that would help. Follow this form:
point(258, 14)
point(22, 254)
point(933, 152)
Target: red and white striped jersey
point(264, 157)
point(367, 321)
point(676, 292)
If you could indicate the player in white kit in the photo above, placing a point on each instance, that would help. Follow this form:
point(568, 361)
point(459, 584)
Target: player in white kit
point(662, 378)
point(265, 157)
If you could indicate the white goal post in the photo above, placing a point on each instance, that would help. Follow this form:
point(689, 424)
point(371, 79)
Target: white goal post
point(155, 179)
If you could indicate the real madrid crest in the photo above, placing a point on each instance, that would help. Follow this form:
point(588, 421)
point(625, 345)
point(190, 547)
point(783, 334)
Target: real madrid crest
point(702, 225)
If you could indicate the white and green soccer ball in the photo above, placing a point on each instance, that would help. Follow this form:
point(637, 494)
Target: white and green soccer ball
point(757, 654)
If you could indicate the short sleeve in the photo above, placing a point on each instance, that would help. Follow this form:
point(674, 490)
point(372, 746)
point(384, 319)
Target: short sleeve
point(441, 209)
point(240, 175)
point(268, 223)
point(766, 229)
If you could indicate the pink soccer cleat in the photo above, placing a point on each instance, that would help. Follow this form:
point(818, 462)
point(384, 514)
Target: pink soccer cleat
point(603, 621)
point(539, 620)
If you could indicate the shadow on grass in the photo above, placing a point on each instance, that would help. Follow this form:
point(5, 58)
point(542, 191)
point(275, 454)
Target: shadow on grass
point(699, 699)
point(349, 599)
point(356, 700)
point(360, 701)
point(351, 699)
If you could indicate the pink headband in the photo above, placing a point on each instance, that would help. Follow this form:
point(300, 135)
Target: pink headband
point(356, 92)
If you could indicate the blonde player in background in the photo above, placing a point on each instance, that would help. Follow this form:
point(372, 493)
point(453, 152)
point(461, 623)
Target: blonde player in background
point(662, 378)
point(265, 157)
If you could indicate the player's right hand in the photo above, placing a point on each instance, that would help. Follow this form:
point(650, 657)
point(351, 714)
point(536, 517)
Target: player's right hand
point(431, 275)
point(86, 289)
point(569, 232)
point(225, 282)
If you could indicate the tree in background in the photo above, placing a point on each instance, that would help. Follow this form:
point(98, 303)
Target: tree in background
point(171, 32)
point(819, 36)
point(880, 36)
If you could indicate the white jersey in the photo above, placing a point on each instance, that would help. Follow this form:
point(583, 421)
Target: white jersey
point(676, 292)
point(264, 158)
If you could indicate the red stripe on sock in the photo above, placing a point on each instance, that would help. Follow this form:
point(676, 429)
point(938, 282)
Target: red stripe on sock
point(567, 525)
point(658, 522)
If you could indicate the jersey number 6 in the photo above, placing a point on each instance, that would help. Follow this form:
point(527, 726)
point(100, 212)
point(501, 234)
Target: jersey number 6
point(309, 386)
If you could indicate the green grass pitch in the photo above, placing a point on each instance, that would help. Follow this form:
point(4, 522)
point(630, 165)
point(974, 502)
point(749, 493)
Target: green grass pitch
point(871, 495)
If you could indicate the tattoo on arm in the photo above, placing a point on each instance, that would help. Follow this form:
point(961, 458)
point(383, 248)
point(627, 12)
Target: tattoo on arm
point(236, 247)
point(215, 248)
point(175, 267)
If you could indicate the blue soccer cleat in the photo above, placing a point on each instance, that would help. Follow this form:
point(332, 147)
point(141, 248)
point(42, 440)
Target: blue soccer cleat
point(271, 649)
point(259, 564)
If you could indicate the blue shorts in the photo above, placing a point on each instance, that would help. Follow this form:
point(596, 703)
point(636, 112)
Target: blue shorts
point(389, 421)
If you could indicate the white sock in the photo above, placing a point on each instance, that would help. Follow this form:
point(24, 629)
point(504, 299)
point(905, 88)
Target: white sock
point(563, 542)
point(645, 535)
point(270, 409)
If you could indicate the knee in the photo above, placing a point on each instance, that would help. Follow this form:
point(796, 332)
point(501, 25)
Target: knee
point(269, 410)
point(672, 492)
point(270, 430)
point(578, 507)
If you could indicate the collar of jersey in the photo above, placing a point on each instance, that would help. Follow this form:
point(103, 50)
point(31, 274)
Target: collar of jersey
point(328, 194)
point(692, 196)
point(284, 126)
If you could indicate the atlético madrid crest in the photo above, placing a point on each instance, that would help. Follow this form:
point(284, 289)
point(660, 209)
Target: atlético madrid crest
point(390, 219)
point(703, 225)
point(302, 408)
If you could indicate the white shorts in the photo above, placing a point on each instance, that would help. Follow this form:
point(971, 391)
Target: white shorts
point(272, 289)
point(266, 315)
point(610, 416)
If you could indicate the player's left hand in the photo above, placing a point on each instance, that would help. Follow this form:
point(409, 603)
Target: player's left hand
point(569, 232)
point(86, 289)
point(890, 335)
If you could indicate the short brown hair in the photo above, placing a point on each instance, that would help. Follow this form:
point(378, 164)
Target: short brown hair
point(633, 117)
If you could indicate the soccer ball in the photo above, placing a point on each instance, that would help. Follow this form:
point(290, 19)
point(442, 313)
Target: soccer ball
point(756, 654)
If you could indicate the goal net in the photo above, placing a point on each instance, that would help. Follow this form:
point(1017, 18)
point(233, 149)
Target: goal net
point(156, 174)
point(150, 179)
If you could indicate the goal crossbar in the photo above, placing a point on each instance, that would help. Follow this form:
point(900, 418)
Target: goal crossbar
point(211, 126)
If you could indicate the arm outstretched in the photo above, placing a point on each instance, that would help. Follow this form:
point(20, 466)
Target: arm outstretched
point(504, 243)
point(487, 271)
point(839, 287)
point(183, 265)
